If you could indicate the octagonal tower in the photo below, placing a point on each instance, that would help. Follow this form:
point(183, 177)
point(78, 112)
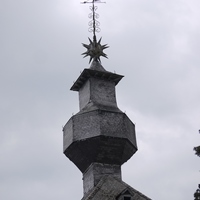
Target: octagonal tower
point(100, 137)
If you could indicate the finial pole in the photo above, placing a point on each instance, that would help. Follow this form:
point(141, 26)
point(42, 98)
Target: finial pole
point(94, 49)
point(94, 24)
point(93, 17)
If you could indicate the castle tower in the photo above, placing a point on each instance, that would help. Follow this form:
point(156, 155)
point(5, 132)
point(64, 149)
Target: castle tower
point(100, 137)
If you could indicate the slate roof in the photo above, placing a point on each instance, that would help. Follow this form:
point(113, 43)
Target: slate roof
point(109, 188)
point(96, 70)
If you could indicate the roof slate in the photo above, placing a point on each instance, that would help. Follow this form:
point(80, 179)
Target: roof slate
point(109, 188)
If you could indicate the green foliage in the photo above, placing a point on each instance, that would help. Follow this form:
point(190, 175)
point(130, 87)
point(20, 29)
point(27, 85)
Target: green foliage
point(197, 194)
point(197, 150)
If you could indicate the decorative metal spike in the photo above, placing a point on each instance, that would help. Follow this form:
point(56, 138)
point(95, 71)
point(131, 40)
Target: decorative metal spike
point(94, 49)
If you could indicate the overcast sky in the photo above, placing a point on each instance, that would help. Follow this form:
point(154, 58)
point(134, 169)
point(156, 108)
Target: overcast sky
point(154, 44)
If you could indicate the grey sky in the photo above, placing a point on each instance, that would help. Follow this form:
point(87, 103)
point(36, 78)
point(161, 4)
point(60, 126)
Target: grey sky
point(155, 44)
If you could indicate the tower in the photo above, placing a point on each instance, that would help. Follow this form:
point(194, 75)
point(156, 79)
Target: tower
point(100, 137)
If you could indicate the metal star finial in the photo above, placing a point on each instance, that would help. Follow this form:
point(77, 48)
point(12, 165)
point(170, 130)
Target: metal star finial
point(95, 50)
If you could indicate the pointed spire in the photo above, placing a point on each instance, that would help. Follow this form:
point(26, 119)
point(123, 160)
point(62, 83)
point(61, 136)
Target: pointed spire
point(97, 66)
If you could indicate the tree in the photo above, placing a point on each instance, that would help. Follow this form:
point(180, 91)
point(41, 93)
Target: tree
point(197, 150)
point(197, 193)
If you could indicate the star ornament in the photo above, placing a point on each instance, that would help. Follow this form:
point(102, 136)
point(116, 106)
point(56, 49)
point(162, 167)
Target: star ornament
point(95, 50)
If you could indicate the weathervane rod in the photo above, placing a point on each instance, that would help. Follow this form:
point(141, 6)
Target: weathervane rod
point(94, 21)
point(94, 49)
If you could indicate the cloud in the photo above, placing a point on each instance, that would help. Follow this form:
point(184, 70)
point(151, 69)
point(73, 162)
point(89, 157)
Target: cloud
point(155, 44)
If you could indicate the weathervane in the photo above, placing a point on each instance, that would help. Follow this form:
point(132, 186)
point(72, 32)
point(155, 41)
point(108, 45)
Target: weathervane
point(94, 49)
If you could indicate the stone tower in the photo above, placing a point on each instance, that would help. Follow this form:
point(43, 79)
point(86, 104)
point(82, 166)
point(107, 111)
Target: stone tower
point(100, 137)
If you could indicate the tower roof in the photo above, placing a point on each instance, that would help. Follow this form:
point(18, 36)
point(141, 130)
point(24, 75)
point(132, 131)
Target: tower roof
point(96, 70)
point(110, 188)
